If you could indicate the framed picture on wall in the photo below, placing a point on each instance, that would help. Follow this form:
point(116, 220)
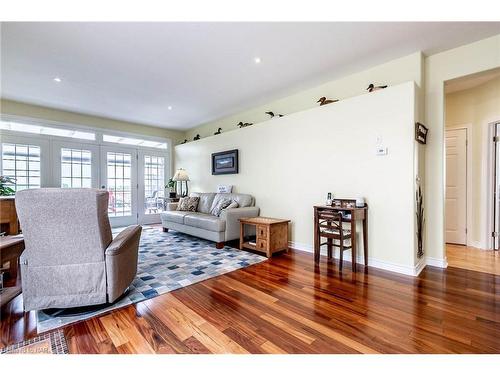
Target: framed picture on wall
point(421, 133)
point(225, 162)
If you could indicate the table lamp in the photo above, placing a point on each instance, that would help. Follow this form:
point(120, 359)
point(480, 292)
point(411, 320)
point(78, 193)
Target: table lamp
point(181, 176)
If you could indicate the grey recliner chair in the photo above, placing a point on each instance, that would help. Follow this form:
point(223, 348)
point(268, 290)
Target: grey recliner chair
point(71, 259)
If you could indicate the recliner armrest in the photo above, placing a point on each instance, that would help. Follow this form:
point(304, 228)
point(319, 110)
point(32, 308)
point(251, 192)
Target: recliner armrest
point(126, 238)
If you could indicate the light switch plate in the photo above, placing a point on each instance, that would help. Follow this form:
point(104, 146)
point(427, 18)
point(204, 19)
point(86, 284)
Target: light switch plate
point(381, 150)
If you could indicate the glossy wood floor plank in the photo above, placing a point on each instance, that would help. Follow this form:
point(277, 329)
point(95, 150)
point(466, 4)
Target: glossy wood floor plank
point(289, 305)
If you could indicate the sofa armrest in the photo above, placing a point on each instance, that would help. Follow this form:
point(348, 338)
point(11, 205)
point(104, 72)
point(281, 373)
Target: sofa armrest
point(127, 238)
point(172, 206)
point(232, 216)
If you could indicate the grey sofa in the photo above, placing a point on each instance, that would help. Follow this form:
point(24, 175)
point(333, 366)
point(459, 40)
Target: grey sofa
point(71, 258)
point(202, 224)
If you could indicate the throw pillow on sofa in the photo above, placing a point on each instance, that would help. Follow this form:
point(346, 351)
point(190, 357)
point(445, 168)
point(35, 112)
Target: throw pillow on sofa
point(221, 204)
point(188, 204)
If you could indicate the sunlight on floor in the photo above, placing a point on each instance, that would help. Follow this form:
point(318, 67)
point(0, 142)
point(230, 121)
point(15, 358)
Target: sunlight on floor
point(474, 259)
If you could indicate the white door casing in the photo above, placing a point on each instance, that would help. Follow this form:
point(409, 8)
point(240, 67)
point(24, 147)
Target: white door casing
point(456, 186)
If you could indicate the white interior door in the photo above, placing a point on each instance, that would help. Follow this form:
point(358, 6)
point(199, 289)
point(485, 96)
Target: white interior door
point(76, 165)
point(152, 172)
point(456, 186)
point(119, 178)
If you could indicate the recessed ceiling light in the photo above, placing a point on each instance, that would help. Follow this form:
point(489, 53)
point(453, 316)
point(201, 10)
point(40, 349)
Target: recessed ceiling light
point(257, 60)
point(169, 107)
point(57, 79)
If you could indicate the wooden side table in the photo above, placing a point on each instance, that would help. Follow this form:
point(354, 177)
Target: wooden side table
point(8, 214)
point(271, 234)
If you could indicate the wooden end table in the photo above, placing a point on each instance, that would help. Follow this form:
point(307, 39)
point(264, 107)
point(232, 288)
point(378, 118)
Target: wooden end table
point(271, 234)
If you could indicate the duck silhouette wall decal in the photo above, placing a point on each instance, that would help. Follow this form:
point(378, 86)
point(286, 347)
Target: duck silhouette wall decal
point(270, 113)
point(242, 124)
point(371, 87)
point(323, 101)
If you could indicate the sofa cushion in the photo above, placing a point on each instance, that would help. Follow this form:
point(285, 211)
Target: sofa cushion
point(206, 201)
point(205, 221)
point(221, 204)
point(243, 200)
point(175, 216)
point(188, 204)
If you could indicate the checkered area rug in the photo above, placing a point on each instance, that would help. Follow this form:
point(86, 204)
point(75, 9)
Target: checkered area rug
point(47, 343)
point(167, 261)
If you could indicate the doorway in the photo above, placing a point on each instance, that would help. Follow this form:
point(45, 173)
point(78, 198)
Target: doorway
point(472, 178)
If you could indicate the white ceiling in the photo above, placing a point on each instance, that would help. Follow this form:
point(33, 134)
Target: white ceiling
point(134, 71)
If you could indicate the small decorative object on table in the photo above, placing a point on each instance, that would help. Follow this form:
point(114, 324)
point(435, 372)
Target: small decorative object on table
point(225, 162)
point(421, 133)
point(171, 186)
point(196, 137)
point(4, 189)
point(360, 202)
point(329, 201)
point(224, 188)
point(218, 131)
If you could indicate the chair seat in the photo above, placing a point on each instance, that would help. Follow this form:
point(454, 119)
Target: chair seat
point(347, 232)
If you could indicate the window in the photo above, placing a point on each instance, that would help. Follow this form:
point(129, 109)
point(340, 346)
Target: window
point(46, 130)
point(119, 167)
point(21, 163)
point(154, 183)
point(76, 168)
point(133, 141)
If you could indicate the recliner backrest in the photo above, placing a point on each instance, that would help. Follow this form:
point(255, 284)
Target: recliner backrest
point(64, 226)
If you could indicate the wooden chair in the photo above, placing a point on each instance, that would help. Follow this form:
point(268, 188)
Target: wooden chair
point(330, 226)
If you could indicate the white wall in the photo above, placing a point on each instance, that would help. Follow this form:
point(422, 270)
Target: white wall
point(289, 165)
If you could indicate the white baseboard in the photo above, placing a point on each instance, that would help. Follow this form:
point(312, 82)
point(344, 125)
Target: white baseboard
point(478, 245)
point(388, 266)
point(436, 262)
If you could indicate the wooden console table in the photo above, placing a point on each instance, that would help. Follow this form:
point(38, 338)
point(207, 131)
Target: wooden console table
point(8, 214)
point(271, 234)
point(11, 248)
point(357, 213)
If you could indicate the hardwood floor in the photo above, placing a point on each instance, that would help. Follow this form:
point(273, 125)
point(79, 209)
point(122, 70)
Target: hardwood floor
point(474, 259)
point(287, 305)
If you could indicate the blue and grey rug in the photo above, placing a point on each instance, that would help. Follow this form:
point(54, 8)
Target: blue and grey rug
point(167, 261)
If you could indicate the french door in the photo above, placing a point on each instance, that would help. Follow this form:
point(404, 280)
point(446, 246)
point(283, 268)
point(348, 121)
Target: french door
point(152, 169)
point(119, 177)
